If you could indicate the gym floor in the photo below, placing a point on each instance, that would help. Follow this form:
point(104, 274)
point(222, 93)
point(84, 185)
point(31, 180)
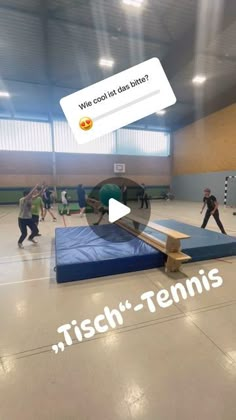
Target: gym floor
point(177, 363)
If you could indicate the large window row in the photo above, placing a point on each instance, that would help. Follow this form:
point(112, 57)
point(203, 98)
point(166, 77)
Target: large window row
point(39, 137)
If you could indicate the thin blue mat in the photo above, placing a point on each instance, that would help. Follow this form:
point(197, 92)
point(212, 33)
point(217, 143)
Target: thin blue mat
point(203, 244)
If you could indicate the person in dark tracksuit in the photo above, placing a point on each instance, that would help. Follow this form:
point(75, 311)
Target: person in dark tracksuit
point(144, 196)
point(124, 192)
point(47, 204)
point(210, 201)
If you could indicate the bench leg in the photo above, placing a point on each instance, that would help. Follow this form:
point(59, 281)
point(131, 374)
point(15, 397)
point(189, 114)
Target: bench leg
point(173, 245)
point(136, 225)
point(172, 265)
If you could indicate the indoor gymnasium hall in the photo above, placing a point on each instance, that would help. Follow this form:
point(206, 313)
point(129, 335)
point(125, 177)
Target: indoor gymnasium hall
point(117, 210)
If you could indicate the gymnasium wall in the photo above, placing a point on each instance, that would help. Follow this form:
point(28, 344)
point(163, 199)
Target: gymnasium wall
point(204, 153)
point(25, 169)
point(190, 187)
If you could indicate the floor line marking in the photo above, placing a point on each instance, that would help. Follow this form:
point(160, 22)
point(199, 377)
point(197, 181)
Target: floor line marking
point(225, 261)
point(211, 308)
point(25, 260)
point(119, 330)
point(24, 254)
point(98, 336)
point(24, 281)
point(224, 352)
point(4, 215)
point(8, 257)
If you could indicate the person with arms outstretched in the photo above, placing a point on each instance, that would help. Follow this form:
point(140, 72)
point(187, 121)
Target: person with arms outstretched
point(25, 217)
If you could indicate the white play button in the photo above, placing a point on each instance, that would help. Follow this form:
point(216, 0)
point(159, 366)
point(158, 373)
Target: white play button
point(117, 210)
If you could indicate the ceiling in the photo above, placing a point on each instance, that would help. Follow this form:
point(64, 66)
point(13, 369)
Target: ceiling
point(51, 48)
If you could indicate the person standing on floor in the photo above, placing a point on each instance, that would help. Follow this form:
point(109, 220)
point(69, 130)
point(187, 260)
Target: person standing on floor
point(25, 217)
point(37, 207)
point(124, 192)
point(81, 199)
point(65, 202)
point(210, 201)
point(47, 204)
point(144, 196)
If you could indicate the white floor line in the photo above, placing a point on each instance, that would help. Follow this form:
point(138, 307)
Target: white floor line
point(23, 254)
point(24, 281)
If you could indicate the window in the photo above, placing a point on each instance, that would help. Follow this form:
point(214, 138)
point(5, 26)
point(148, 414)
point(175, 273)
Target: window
point(25, 135)
point(143, 143)
point(36, 136)
point(65, 141)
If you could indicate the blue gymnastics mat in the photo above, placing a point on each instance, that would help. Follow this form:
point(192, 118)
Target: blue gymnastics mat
point(81, 254)
point(203, 244)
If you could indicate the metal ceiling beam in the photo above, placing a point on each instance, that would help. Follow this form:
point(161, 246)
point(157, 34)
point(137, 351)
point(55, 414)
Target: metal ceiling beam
point(219, 57)
point(53, 18)
point(27, 82)
point(182, 51)
point(46, 50)
point(44, 23)
point(110, 32)
point(10, 8)
point(35, 83)
point(184, 103)
point(45, 85)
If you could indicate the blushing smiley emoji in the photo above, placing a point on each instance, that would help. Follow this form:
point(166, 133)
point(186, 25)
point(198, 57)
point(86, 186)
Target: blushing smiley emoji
point(86, 123)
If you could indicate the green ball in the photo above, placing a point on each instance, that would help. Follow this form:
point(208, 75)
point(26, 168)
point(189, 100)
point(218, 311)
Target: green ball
point(109, 191)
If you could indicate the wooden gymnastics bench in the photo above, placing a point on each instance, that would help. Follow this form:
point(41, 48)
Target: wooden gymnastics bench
point(171, 247)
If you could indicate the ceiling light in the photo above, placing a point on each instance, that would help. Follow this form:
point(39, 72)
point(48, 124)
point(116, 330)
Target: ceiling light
point(106, 63)
point(162, 112)
point(4, 94)
point(135, 3)
point(199, 80)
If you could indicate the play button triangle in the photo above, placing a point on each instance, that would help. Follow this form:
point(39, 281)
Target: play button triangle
point(117, 210)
